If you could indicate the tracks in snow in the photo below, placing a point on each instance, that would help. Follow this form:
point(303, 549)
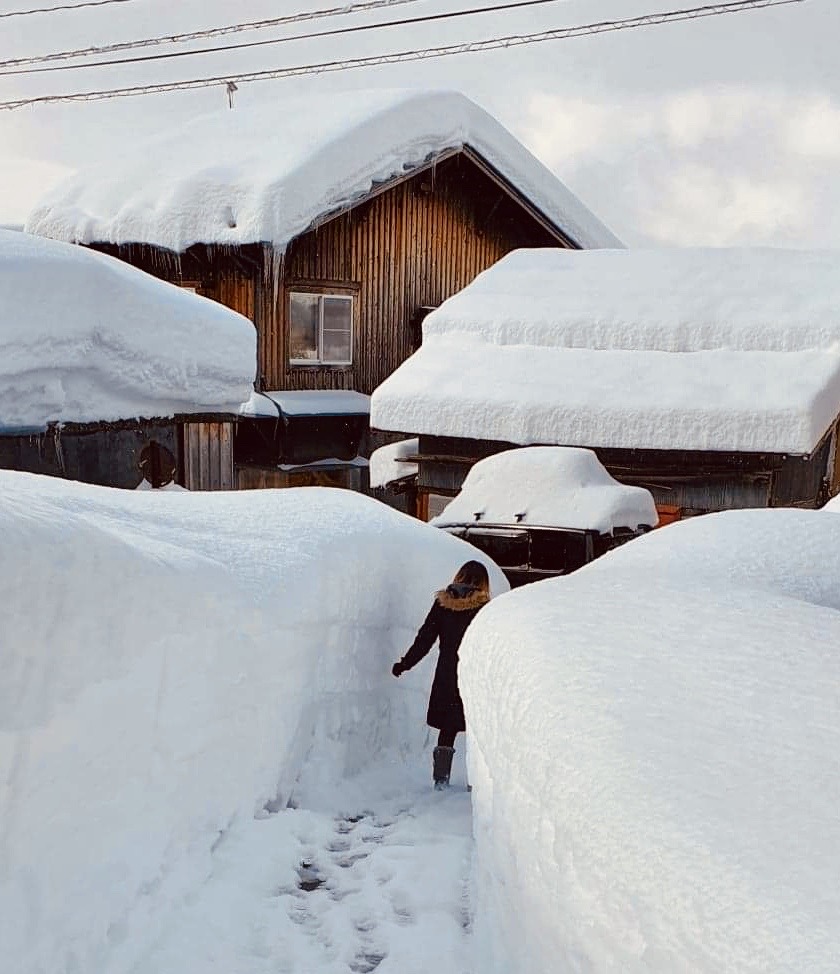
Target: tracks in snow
point(373, 885)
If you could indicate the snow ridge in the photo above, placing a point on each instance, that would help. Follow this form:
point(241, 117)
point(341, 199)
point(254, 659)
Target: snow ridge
point(263, 174)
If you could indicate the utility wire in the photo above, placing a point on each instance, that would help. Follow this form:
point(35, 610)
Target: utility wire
point(334, 32)
point(64, 6)
point(195, 35)
point(469, 47)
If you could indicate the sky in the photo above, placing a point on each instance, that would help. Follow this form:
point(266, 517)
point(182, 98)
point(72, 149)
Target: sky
point(724, 131)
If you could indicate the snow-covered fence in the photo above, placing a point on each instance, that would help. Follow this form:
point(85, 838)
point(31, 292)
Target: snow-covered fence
point(654, 756)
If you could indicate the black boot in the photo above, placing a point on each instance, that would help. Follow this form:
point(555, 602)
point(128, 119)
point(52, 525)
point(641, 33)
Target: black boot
point(442, 766)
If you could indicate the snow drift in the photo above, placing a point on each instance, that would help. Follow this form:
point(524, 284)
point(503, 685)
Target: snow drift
point(546, 486)
point(388, 463)
point(695, 349)
point(169, 661)
point(654, 756)
point(85, 337)
point(264, 173)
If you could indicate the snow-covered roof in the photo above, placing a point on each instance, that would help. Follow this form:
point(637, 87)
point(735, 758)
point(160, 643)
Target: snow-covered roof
point(265, 173)
point(388, 463)
point(562, 487)
point(694, 349)
point(307, 402)
point(85, 337)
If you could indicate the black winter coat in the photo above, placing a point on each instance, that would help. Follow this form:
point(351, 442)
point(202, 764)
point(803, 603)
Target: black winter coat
point(452, 611)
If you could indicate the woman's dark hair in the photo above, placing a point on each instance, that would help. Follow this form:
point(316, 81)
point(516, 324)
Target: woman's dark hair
point(473, 574)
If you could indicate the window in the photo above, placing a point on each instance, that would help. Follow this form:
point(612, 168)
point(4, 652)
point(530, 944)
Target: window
point(320, 329)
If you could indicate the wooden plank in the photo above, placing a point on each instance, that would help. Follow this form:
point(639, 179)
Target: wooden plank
point(423, 506)
point(204, 456)
point(214, 480)
point(193, 453)
point(226, 456)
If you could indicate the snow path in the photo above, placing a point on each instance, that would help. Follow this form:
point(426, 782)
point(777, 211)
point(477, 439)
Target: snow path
point(372, 875)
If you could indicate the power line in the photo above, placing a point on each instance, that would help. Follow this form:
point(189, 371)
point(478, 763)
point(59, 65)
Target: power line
point(195, 35)
point(334, 32)
point(469, 47)
point(64, 6)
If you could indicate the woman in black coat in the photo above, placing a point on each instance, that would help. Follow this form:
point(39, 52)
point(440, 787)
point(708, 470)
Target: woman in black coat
point(452, 611)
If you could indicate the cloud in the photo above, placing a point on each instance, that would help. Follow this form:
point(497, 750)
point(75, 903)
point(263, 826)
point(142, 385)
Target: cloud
point(707, 166)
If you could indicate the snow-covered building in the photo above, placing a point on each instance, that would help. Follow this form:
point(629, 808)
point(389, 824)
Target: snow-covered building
point(711, 377)
point(335, 223)
point(108, 375)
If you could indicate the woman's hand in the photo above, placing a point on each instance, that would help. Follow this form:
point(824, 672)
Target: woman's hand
point(397, 668)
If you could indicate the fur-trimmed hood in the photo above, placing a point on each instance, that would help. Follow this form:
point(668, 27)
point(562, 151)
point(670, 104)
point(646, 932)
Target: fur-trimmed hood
point(461, 598)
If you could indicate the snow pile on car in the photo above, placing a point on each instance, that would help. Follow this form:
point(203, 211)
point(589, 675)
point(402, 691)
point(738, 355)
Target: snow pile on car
point(654, 755)
point(680, 349)
point(85, 338)
point(169, 661)
point(546, 486)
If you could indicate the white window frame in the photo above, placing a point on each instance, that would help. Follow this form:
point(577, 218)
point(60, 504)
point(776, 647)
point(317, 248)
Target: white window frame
point(314, 362)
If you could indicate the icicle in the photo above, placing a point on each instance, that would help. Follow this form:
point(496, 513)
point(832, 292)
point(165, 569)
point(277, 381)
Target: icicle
point(273, 257)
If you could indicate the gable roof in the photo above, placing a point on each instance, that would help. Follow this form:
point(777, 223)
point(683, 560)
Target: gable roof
point(87, 338)
point(698, 349)
point(265, 173)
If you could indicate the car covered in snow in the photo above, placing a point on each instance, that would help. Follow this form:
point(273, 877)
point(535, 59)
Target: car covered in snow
point(545, 511)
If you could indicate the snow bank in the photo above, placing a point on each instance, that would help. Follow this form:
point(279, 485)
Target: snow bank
point(674, 349)
point(263, 174)
point(833, 505)
point(169, 660)
point(654, 755)
point(547, 486)
point(85, 337)
point(387, 464)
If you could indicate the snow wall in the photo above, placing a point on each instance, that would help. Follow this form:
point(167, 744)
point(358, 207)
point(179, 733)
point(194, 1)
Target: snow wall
point(169, 662)
point(655, 756)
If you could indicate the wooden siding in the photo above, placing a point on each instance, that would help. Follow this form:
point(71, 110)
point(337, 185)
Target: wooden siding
point(412, 246)
point(691, 482)
point(261, 478)
point(804, 481)
point(208, 456)
point(108, 455)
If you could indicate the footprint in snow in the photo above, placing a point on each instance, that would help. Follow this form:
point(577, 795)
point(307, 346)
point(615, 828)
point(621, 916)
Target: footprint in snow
point(364, 962)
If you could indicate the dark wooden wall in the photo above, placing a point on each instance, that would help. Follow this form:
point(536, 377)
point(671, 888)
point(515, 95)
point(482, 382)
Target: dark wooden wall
point(208, 456)
point(413, 245)
point(108, 457)
point(694, 482)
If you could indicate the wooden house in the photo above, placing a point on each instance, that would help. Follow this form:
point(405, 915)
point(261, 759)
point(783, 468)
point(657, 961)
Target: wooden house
point(108, 375)
point(335, 224)
point(711, 378)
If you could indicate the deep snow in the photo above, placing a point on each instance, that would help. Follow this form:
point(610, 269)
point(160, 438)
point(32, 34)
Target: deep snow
point(388, 463)
point(694, 349)
point(548, 486)
point(86, 337)
point(264, 173)
point(654, 756)
point(171, 662)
